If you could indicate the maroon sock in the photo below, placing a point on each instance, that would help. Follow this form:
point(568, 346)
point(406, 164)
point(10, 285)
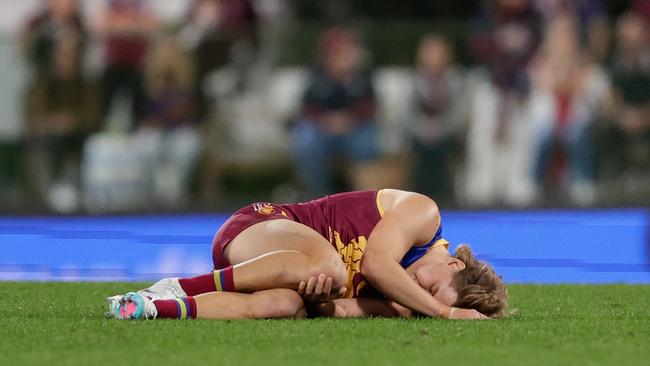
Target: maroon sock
point(220, 280)
point(184, 308)
point(167, 309)
point(198, 285)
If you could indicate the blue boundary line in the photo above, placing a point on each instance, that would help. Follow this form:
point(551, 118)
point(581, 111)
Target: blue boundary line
point(548, 246)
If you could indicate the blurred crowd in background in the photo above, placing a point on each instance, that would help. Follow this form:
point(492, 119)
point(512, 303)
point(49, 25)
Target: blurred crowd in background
point(510, 103)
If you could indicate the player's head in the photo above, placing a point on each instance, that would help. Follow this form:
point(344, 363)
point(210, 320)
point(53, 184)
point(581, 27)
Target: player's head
point(435, 273)
point(462, 281)
point(478, 286)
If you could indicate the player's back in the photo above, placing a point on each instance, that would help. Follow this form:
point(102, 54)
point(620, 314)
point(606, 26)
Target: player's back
point(350, 214)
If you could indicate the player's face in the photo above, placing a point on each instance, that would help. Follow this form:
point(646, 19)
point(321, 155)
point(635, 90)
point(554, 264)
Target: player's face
point(434, 272)
point(436, 279)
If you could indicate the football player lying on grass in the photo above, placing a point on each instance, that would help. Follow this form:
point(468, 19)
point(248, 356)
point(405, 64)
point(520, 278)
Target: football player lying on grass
point(382, 251)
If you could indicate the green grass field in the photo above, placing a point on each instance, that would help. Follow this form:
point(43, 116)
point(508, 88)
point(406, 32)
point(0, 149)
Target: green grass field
point(63, 324)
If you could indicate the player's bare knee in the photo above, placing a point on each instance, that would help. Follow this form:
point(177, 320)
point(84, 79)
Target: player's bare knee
point(330, 267)
point(340, 278)
point(281, 303)
point(291, 305)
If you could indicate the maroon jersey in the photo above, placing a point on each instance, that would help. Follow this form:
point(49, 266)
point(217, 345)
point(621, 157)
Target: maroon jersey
point(345, 220)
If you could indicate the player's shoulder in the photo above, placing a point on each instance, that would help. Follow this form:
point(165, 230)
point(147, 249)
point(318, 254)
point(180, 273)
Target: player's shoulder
point(393, 198)
point(416, 213)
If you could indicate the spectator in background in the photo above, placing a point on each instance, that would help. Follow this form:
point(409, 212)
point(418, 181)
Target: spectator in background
point(591, 21)
point(222, 36)
point(53, 43)
point(438, 118)
point(504, 38)
point(642, 9)
point(55, 21)
point(337, 124)
point(569, 91)
point(125, 27)
point(220, 32)
point(167, 139)
point(630, 132)
point(60, 107)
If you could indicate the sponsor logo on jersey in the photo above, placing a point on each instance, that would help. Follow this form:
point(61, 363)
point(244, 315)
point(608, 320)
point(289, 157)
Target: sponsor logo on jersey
point(264, 208)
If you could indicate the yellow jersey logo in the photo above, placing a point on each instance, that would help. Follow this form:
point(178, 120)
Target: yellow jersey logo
point(351, 254)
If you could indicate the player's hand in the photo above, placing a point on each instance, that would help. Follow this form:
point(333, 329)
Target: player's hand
point(319, 289)
point(466, 314)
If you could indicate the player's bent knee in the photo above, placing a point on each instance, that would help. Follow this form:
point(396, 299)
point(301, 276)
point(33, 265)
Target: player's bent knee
point(333, 268)
point(279, 303)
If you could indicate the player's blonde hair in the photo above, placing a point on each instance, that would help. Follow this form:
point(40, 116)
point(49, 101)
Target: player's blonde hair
point(478, 286)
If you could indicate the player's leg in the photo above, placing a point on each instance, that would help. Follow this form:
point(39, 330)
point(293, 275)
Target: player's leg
point(276, 303)
point(280, 254)
point(267, 255)
point(277, 253)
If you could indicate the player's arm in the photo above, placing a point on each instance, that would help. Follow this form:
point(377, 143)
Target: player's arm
point(321, 302)
point(412, 220)
point(361, 308)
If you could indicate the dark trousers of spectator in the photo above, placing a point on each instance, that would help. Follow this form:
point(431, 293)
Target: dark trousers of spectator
point(9, 166)
point(316, 154)
point(211, 54)
point(575, 143)
point(432, 172)
point(128, 80)
point(49, 159)
point(619, 151)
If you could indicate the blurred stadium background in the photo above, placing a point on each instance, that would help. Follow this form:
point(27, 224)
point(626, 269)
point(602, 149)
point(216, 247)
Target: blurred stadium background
point(141, 124)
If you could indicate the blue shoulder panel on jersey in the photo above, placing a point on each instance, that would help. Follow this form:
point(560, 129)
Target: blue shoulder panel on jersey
point(417, 252)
